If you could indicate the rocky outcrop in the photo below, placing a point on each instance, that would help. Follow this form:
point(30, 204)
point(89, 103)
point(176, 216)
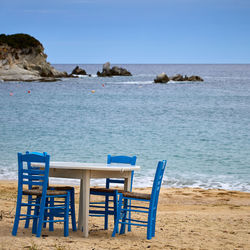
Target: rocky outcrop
point(78, 71)
point(106, 67)
point(163, 78)
point(114, 71)
point(22, 58)
point(195, 79)
point(181, 78)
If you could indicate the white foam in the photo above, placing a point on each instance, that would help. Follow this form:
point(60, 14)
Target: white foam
point(81, 76)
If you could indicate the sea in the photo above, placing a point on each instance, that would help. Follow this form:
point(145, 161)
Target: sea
point(202, 129)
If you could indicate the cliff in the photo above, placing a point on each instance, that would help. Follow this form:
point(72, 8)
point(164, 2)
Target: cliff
point(22, 58)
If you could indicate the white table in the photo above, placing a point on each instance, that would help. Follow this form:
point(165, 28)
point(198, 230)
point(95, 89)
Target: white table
point(84, 172)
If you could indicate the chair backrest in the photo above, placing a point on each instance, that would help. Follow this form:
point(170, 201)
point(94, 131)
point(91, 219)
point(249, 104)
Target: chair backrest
point(29, 176)
point(157, 184)
point(123, 160)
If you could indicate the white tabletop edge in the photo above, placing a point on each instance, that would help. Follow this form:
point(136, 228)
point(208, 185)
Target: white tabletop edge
point(89, 166)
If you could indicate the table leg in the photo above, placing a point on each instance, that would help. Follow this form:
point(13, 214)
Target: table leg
point(80, 221)
point(84, 203)
point(127, 185)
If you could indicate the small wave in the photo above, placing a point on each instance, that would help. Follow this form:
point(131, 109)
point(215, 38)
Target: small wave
point(184, 82)
point(81, 76)
point(210, 183)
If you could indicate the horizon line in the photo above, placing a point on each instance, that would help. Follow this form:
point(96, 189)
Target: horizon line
point(158, 63)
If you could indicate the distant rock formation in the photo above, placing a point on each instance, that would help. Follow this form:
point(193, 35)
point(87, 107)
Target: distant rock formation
point(114, 71)
point(22, 58)
point(179, 77)
point(186, 78)
point(195, 79)
point(163, 78)
point(78, 71)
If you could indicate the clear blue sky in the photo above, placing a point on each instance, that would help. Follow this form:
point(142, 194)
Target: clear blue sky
point(134, 31)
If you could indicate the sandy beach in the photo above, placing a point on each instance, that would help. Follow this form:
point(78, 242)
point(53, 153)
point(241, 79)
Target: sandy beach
point(187, 219)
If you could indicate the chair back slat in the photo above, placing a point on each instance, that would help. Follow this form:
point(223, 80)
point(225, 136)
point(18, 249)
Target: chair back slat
point(123, 160)
point(33, 183)
point(33, 171)
point(116, 181)
point(31, 157)
point(32, 176)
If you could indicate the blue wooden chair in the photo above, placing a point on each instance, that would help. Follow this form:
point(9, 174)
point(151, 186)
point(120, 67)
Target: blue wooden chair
point(104, 209)
point(126, 204)
point(32, 183)
point(70, 189)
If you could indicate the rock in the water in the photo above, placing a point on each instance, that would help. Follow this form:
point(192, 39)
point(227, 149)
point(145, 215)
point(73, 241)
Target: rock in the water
point(181, 78)
point(161, 78)
point(22, 58)
point(115, 71)
point(106, 66)
point(195, 79)
point(78, 71)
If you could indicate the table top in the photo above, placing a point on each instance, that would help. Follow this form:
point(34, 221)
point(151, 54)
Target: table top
point(89, 166)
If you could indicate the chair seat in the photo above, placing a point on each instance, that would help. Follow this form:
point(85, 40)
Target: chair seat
point(38, 192)
point(105, 190)
point(60, 188)
point(56, 188)
point(136, 195)
point(125, 193)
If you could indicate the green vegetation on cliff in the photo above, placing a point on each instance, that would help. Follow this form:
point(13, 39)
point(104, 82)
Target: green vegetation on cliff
point(19, 41)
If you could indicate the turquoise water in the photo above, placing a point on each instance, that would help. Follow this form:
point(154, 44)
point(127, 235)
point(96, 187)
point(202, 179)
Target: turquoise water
point(201, 128)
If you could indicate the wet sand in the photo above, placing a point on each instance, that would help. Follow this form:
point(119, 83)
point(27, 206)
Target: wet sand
point(187, 218)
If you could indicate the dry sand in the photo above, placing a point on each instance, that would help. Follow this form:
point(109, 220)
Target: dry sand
point(187, 219)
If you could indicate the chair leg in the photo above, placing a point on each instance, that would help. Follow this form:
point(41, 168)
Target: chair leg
point(116, 226)
point(116, 209)
point(153, 229)
point(153, 223)
point(72, 209)
point(66, 216)
point(36, 214)
point(17, 216)
point(124, 216)
point(41, 218)
point(129, 216)
point(149, 236)
point(27, 222)
point(46, 212)
point(150, 225)
point(106, 215)
point(51, 217)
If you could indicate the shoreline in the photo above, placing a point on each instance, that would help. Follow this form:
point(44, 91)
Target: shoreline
point(186, 218)
point(72, 183)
